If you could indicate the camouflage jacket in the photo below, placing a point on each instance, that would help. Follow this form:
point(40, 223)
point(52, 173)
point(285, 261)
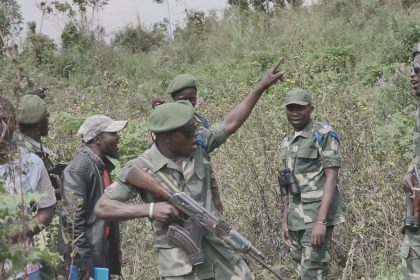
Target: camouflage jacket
point(416, 140)
point(307, 155)
point(192, 176)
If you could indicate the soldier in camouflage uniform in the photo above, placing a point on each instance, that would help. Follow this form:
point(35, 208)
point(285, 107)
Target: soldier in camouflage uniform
point(312, 153)
point(410, 250)
point(184, 87)
point(176, 154)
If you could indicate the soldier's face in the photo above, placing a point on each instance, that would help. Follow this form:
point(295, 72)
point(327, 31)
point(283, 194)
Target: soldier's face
point(415, 77)
point(298, 115)
point(182, 142)
point(188, 94)
point(43, 126)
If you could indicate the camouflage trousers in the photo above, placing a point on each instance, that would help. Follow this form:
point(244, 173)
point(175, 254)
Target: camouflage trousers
point(310, 263)
point(215, 267)
point(222, 271)
point(410, 254)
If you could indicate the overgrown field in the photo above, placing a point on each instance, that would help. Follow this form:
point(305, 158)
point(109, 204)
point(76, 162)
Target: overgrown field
point(354, 56)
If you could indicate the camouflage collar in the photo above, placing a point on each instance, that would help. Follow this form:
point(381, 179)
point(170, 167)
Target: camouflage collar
point(307, 131)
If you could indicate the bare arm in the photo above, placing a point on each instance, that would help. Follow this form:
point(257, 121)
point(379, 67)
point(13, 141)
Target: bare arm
point(284, 227)
point(241, 112)
point(43, 218)
point(319, 230)
point(120, 211)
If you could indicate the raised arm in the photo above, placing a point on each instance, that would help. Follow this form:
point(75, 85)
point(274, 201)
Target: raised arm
point(241, 112)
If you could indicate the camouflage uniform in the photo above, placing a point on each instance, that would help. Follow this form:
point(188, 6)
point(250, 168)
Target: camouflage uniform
point(202, 122)
point(410, 249)
point(192, 176)
point(307, 155)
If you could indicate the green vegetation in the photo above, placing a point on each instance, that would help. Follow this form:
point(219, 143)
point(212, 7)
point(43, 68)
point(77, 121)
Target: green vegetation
point(352, 55)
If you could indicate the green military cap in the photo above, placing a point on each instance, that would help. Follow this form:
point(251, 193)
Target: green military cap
point(298, 96)
point(32, 109)
point(416, 49)
point(170, 116)
point(181, 82)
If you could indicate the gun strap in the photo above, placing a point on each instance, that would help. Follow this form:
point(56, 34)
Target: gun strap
point(168, 182)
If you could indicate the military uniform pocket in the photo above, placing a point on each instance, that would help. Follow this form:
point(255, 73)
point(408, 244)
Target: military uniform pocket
point(317, 255)
point(173, 262)
point(310, 211)
point(405, 250)
point(307, 160)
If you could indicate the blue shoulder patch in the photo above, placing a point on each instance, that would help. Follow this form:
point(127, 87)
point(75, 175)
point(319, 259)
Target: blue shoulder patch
point(326, 129)
point(318, 137)
point(199, 141)
point(203, 120)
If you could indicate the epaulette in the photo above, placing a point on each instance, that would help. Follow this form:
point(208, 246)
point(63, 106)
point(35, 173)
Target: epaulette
point(204, 122)
point(324, 130)
point(200, 141)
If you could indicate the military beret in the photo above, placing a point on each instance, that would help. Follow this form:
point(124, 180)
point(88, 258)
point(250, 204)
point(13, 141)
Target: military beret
point(170, 116)
point(416, 49)
point(298, 96)
point(32, 109)
point(181, 82)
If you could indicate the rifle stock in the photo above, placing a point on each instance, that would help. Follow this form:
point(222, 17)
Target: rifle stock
point(140, 179)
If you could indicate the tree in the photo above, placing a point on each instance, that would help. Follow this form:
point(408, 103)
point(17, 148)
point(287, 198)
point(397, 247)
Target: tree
point(81, 18)
point(137, 39)
point(264, 5)
point(10, 21)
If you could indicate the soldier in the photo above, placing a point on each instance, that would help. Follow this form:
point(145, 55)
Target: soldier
point(410, 250)
point(184, 87)
point(23, 172)
point(312, 154)
point(176, 154)
point(33, 123)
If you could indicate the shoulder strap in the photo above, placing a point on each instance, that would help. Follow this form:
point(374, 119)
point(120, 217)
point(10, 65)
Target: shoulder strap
point(160, 176)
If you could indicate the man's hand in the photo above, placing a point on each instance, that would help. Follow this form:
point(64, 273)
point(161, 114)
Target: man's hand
point(165, 212)
point(272, 75)
point(318, 234)
point(285, 232)
point(408, 183)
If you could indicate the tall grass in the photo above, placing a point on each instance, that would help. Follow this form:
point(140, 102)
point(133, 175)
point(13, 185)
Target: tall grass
point(353, 57)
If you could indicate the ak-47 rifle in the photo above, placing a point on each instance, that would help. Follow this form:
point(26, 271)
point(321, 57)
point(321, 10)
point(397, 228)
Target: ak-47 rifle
point(190, 240)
